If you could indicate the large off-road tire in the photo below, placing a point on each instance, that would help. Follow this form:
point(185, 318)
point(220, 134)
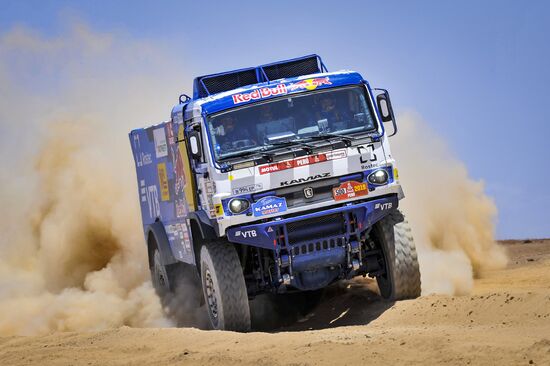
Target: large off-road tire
point(164, 278)
point(177, 285)
point(224, 287)
point(402, 277)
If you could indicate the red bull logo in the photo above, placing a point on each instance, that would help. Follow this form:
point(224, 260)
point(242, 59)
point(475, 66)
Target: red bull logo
point(281, 89)
point(259, 94)
point(309, 84)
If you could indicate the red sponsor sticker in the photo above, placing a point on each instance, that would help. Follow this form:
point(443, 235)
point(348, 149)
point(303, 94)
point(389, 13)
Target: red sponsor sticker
point(349, 190)
point(306, 160)
point(261, 93)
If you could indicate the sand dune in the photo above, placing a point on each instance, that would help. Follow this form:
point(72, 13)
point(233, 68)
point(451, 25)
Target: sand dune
point(506, 320)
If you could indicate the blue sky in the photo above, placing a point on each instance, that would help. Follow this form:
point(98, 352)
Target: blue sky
point(476, 71)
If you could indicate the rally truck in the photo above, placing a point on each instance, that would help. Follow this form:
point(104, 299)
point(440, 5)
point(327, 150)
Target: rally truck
point(274, 179)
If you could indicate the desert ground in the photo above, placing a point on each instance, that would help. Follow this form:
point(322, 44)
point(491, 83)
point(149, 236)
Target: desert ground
point(504, 321)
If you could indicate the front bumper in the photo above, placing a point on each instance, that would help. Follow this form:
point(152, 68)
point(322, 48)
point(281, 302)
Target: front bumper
point(268, 234)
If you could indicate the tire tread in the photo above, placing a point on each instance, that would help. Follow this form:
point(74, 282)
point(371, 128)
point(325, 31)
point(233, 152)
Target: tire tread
point(401, 251)
point(233, 293)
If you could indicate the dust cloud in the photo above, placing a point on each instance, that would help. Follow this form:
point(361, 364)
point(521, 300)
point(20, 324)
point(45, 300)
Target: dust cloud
point(453, 221)
point(72, 255)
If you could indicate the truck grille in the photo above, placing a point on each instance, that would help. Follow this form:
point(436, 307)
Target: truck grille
point(322, 191)
point(317, 245)
point(315, 228)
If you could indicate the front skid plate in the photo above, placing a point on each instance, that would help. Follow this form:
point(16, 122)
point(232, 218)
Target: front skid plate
point(263, 235)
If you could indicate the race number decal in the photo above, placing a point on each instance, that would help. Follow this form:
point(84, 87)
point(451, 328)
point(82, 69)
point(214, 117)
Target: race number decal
point(349, 190)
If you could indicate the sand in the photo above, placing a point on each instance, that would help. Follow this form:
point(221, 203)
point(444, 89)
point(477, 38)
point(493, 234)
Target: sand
point(504, 321)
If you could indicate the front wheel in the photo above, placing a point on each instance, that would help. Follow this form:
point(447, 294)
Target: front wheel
point(402, 277)
point(224, 287)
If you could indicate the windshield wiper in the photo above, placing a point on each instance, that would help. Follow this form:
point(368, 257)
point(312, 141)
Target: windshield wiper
point(244, 154)
point(288, 143)
point(328, 135)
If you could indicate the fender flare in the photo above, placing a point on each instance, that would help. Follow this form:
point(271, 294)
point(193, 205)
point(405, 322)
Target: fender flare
point(163, 244)
point(207, 230)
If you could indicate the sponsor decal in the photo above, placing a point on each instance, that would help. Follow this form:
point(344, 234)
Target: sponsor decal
point(309, 84)
point(248, 189)
point(246, 234)
point(396, 173)
point(219, 209)
point(143, 191)
point(260, 94)
point(303, 180)
point(383, 206)
point(143, 158)
point(304, 161)
point(268, 206)
point(366, 154)
point(151, 196)
point(349, 190)
point(179, 235)
point(281, 89)
point(308, 192)
point(186, 238)
point(367, 157)
point(336, 154)
point(209, 187)
point(181, 208)
point(161, 147)
point(370, 166)
point(163, 182)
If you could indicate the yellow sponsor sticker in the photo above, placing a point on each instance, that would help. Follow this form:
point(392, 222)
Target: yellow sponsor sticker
point(395, 174)
point(219, 209)
point(163, 182)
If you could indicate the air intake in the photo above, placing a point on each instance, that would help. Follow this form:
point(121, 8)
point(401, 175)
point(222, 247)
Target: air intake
point(292, 68)
point(217, 83)
point(213, 84)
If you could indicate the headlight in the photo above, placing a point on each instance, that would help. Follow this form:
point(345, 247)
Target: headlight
point(378, 177)
point(238, 205)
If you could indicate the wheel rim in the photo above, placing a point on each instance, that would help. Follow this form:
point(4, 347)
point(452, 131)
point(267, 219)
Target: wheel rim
point(211, 296)
point(160, 276)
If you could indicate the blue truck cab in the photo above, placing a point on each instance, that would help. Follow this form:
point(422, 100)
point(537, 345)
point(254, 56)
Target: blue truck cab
point(277, 178)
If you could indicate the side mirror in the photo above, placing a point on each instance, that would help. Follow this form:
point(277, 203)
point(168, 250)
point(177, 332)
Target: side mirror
point(195, 145)
point(386, 111)
point(384, 106)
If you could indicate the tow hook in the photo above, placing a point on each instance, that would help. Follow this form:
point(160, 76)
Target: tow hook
point(354, 255)
point(285, 262)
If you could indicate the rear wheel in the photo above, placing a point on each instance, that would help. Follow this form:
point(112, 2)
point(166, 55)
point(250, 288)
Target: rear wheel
point(402, 277)
point(224, 287)
point(179, 290)
point(164, 278)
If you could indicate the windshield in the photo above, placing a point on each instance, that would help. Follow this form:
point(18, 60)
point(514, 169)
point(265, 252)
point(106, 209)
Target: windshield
point(294, 118)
